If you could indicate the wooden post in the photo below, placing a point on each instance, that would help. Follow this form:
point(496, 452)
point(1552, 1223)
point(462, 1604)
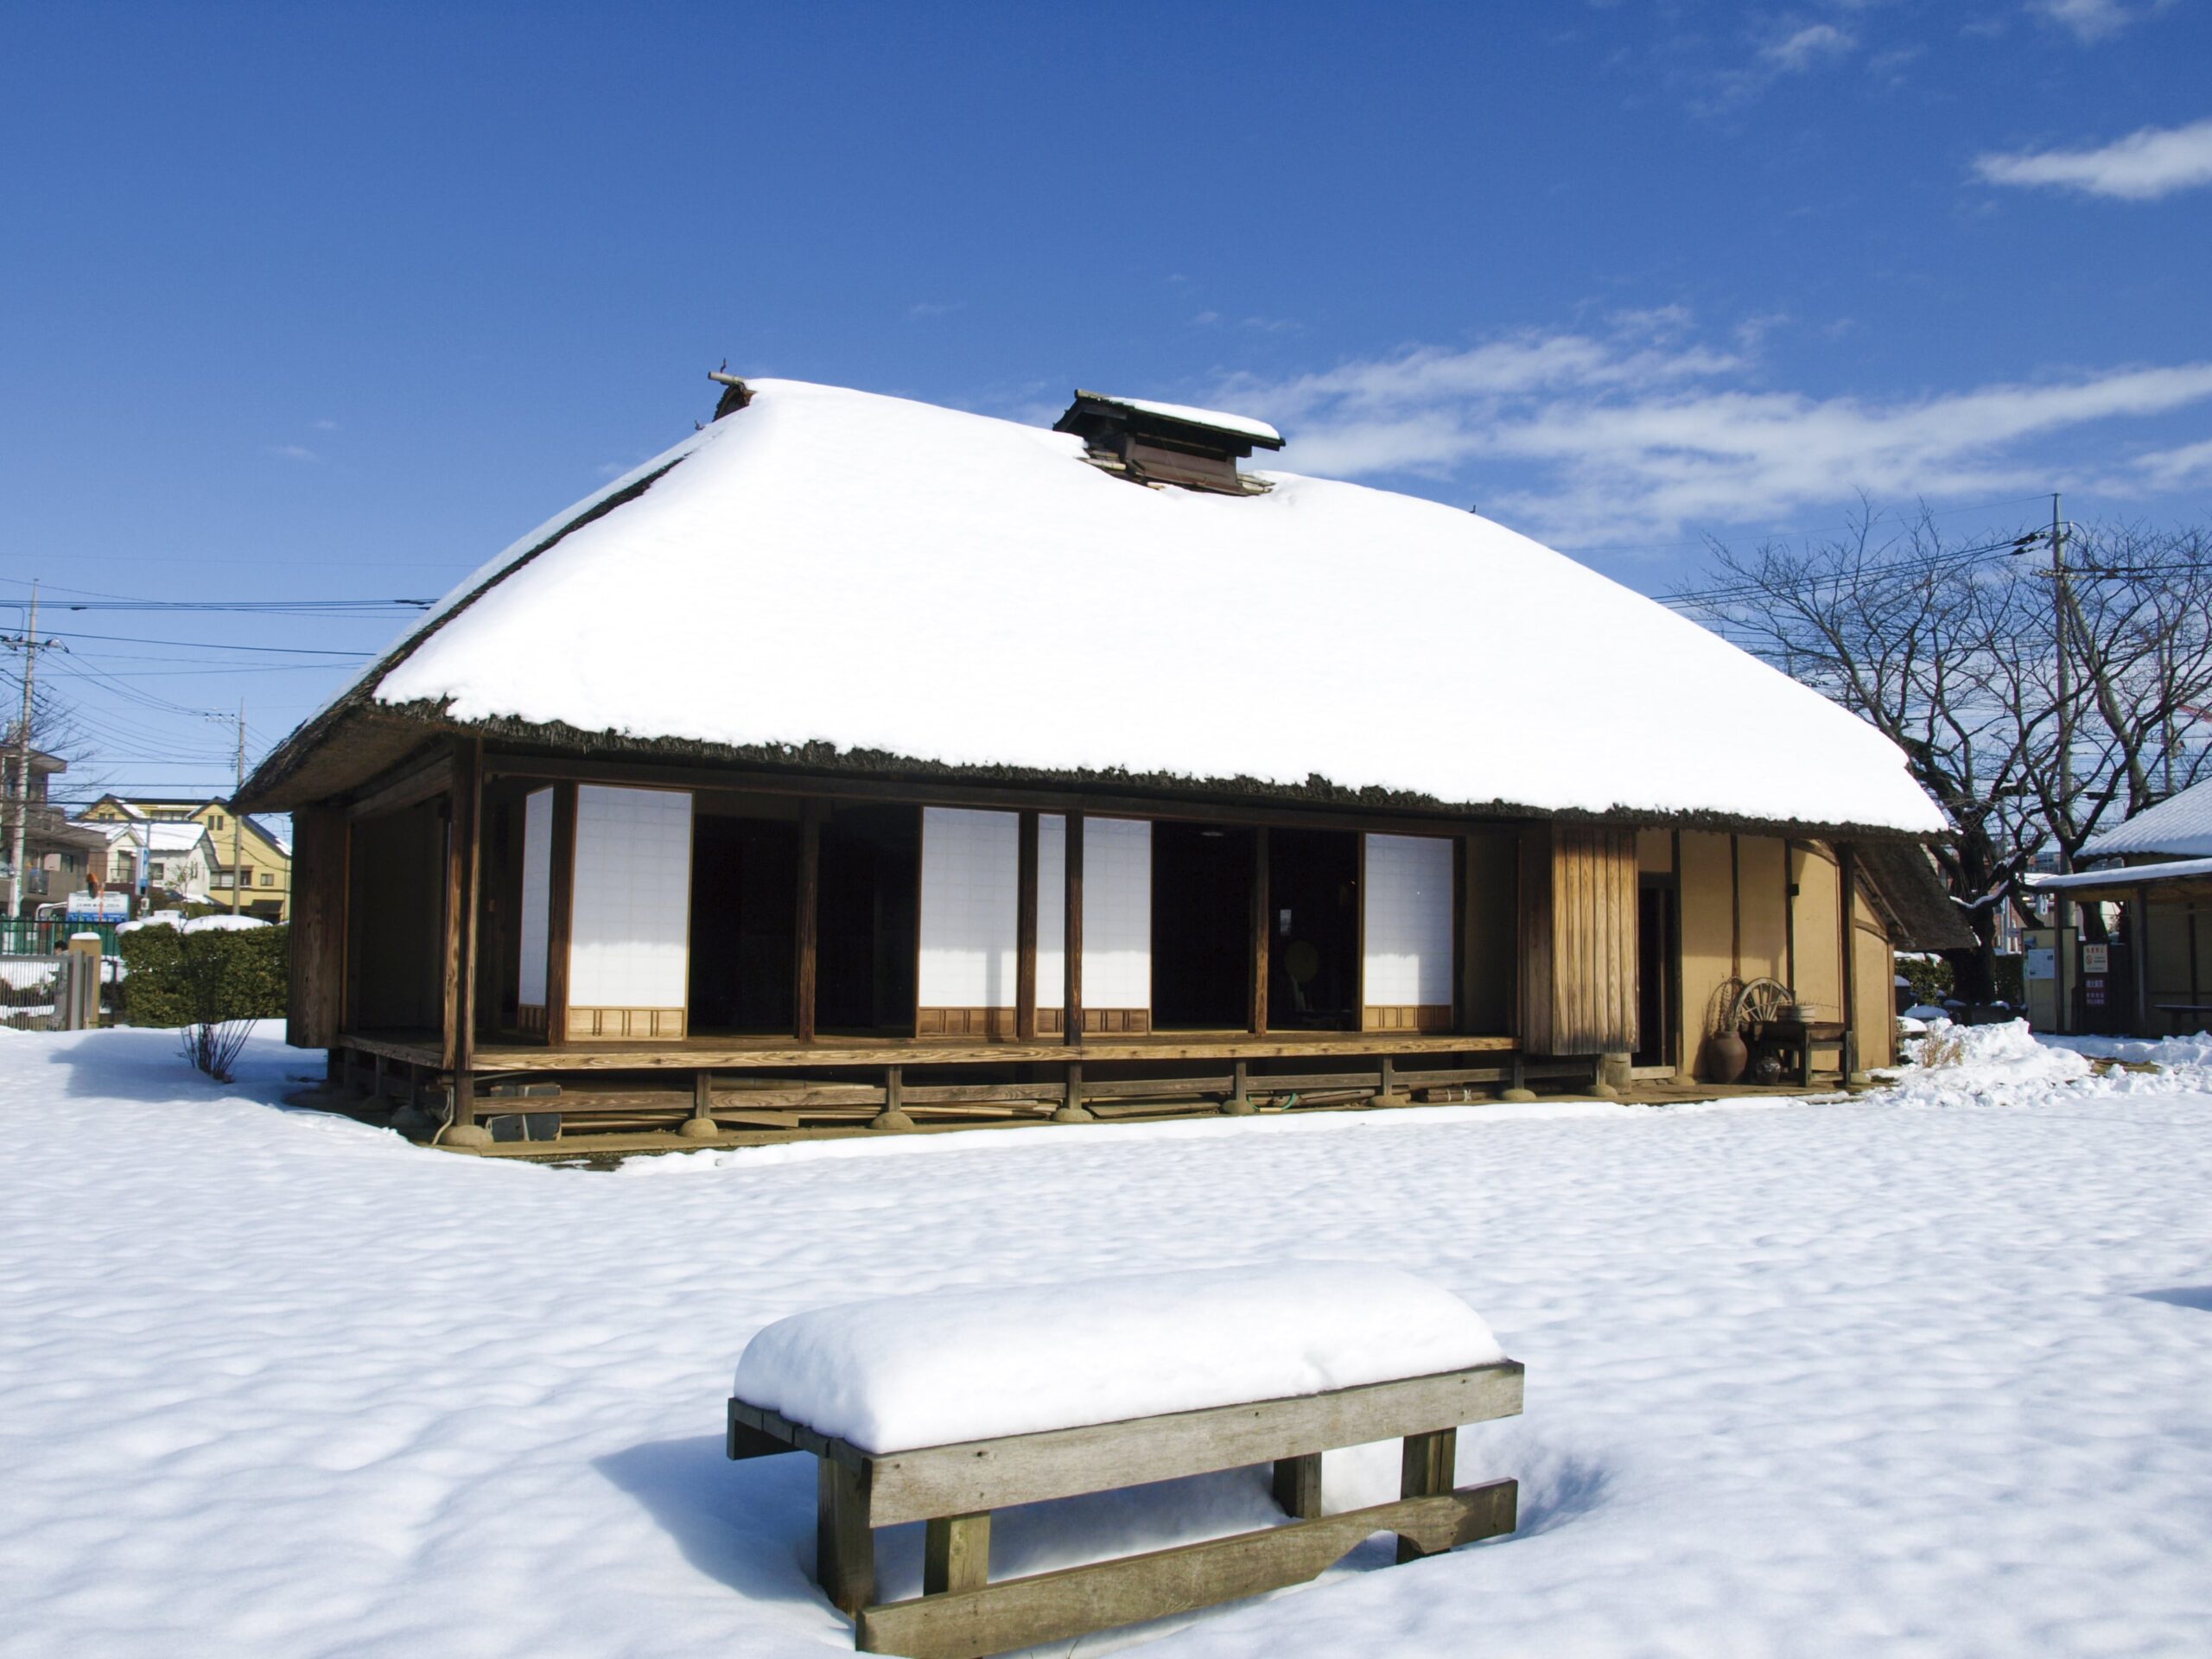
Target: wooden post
point(1025, 931)
point(1262, 932)
point(1846, 881)
point(1298, 1485)
point(560, 913)
point(955, 1552)
point(805, 933)
point(1426, 1469)
point(2139, 949)
point(844, 1546)
point(1072, 1109)
point(1239, 1103)
point(893, 1115)
point(463, 869)
point(1071, 937)
point(316, 1005)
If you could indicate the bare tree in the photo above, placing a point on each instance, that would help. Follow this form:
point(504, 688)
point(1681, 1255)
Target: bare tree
point(1951, 649)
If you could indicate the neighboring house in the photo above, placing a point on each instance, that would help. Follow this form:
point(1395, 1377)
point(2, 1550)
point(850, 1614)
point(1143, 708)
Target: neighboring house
point(2154, 975)
point(263, 856)
point(58, 856)
point(854, 737)
point(177, 856)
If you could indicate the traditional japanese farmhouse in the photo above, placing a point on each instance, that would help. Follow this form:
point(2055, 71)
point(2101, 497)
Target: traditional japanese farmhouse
point(859, 759)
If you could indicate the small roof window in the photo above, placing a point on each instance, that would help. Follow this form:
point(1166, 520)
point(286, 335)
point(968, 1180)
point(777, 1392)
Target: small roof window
point(1168, 444)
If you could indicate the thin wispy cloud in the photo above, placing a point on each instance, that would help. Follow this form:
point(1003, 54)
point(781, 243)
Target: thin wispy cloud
point(1803, 48)
point(2086, 20)
point(2172, 469)
point(293, 452)
point(1642, 432)
point(2142, 167)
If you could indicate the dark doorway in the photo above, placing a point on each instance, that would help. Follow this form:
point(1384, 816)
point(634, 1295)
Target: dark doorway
point(1201, 927)
point(1314, 928)
point(1658, 974)
point(869, 919)
point(395, 911)
point(744, 888)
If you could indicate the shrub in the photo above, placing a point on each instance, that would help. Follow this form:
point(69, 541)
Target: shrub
point(1930, 976)
point(212, 983)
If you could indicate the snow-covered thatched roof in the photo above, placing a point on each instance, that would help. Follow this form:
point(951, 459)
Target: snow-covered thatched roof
point(853, 572)
point(2179, 827)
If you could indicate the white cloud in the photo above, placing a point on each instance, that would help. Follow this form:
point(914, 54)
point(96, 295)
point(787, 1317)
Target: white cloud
point(1637, 435)
point(293, 452)
point(2141, 166)
point(2171, 468)
point(2086, 20)
point(1801, 49)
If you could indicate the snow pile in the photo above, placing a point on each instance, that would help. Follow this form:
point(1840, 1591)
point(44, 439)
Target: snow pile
point(817, 506)
point(2173, 1053)
point(1982, 1061)
point(223, 922)
point(975, 1364)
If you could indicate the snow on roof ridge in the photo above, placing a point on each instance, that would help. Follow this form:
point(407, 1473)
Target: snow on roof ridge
point(1218, 640)
point(1243, 425)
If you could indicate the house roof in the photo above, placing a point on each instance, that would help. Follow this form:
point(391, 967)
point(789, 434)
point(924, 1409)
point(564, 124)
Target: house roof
point(830, 572)
point(159, 836)
point(2180, 827)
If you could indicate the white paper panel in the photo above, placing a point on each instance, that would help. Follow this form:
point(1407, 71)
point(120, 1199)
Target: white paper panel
point(1408, 915)
point(535, 924)
point(1116, 913)
point(971, 875)
point(1051, 910)
point(630, 926)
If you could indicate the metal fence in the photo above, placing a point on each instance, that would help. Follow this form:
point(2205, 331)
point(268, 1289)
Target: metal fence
point(19, 938)
point(67, 991)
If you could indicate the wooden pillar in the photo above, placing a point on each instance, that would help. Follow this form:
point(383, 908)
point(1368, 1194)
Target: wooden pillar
point(463, 868)
point(1298, 1486)
point(316, 1005)
point(806, 933)
point(1426, 1469)
point(1071, 935)
point(1262, 933)
point(1847, 881)
point(957, 1553)
point(2139, 950)
point(560, 913)
point(1025, 931)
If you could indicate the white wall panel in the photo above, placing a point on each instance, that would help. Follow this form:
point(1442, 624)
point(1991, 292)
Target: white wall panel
point(971, 927)
point(1409, 921)
point(1116, 913)
point(631, 924)
point(535, 924)
point(1051, 910)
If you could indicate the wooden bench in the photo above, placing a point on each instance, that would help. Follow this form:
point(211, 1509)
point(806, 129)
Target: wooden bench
point(954, 1489)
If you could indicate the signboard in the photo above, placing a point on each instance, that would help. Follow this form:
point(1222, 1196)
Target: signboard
point(97, 907)
point(2096, 958)
point(2043, 962)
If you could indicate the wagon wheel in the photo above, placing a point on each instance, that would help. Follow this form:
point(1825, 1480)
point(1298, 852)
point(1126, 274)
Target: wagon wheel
point(1762, 1002)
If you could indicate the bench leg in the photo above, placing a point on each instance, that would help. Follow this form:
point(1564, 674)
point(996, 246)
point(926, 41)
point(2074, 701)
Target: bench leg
point(957, 1553)
point(844, 1547)
point(1298, 1486)
point(1426, 1471)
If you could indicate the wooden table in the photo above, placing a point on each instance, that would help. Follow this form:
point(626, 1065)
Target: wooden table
point(1801, 1037)
point(954, 1489)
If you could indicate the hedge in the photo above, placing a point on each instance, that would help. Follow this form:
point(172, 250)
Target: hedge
point(174, 978)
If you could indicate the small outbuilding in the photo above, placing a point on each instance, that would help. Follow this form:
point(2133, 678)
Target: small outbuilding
point(860, 757)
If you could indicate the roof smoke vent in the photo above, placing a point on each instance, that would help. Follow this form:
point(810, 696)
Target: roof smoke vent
point(735, 394)
point(1166, 443)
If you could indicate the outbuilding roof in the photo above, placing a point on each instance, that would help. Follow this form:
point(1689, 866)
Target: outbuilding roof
point(2179, 827)
point(828, 571)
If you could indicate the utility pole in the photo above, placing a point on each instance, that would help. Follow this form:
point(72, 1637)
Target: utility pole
point(30, 645)
point(2062, 601)
point(237, 825)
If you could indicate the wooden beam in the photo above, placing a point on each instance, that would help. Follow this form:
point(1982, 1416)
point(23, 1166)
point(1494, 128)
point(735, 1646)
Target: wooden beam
point(806, 935)
point(955, 1552)
point(1103, 1595)
point(844, 1547)
point(1298, 1485)
point(2138, 948)
point(1426, 1468)
point(1847, 881)
point(1071, 935)
point(458, 1030)
point(1025, 931)
point(316, 1006)
point(407, 785)
point(1262, 931)
point(560, 913)
point(976, 1475)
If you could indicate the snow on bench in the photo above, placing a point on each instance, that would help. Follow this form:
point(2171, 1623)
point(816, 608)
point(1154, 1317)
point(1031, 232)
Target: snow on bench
point(943, 1407)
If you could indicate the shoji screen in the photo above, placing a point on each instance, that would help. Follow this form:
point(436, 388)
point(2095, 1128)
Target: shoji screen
point(970, 925)
point(1406, 929)
point(535, 924)
point(1116, 924)
point(630, 926)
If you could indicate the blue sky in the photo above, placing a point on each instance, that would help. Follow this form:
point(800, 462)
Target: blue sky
point(321, 303)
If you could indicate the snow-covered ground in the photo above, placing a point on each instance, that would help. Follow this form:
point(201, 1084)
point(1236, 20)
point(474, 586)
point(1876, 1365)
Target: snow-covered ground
point(1921, 1373)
